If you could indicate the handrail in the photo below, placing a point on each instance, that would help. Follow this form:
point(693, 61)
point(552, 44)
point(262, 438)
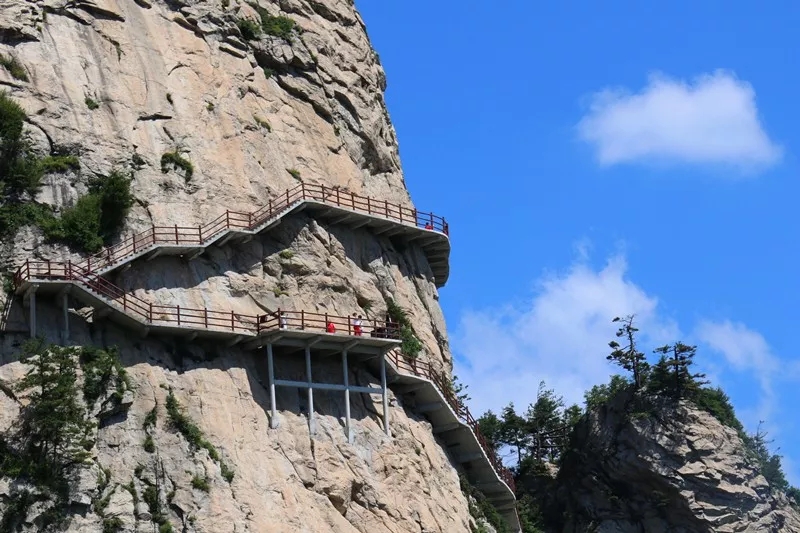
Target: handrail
point(209, 319)
point(159, 314)
point(425, 370)
point(237, 220)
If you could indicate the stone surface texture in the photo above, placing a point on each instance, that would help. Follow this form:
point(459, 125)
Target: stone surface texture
point(685, 472)
point(177, 75)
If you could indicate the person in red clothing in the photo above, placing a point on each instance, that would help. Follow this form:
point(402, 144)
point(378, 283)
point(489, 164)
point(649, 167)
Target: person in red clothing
point(428, 226)
point(357, 322)
point(331, 328)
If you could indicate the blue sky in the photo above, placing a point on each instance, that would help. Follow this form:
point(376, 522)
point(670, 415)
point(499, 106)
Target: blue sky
point(596, 161)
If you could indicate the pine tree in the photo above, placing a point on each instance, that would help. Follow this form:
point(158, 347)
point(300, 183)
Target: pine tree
point(54, 425)
point(515, 432)
point(628, 357)
point(678, 358)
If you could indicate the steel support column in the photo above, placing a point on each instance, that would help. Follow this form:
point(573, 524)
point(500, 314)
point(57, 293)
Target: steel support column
point(346, 397)
point(65, 307)
point(311, 422)
point(385, 395)
point(273, 420)
point(33, 311)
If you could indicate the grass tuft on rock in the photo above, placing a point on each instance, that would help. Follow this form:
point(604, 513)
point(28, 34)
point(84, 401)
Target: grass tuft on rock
point(14, 68)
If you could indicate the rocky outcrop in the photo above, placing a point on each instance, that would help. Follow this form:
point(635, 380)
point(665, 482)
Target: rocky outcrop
point(678, 471)
point(253, 118)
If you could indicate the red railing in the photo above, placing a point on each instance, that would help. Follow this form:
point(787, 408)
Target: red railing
point(233, 220)
point(201, 318)
point(208, 319)
point(440, 380)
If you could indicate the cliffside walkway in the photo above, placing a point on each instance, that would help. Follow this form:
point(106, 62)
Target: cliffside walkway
point(430, 231)
point(425, 387)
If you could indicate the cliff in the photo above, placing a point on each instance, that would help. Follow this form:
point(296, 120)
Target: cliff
point(118, 84)
point(674, 469)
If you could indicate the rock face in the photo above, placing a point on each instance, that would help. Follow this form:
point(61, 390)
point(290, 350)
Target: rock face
point(684, 472)
point(254, 118)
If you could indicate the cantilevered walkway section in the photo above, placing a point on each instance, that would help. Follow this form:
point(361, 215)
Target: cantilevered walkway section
point(417, 382)
point(334, 204)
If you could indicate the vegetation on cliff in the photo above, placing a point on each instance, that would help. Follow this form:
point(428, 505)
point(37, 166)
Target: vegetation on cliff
point(55, 430)
point(536, 441)
point(95, 218)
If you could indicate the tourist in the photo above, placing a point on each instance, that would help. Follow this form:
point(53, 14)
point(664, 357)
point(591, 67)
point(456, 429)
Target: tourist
point(331, 328)
point(284, 320)
point(357, 322)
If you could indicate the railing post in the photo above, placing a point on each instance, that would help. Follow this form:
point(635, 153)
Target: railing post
point(302, 319)
point(387, 208)
point(269, 215)
point(233, 322)
point(287, 195)
point(249, 220)
point(369, 206)
point(400, 208)
point(150, 313)
point(205, 315)
point(338, 201)
point(326, 323)
point(179, 314)
point(353, 200)
point(349, 328)
point(323, 193)
point(177, 241)
point(416, 217)
point(200, 234)
point(134, 241)
point(124, 301)
point(89, 263)
point(227, 218)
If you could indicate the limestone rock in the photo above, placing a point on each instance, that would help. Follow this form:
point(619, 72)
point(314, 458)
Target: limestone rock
point(682, 471)
point(177, 74)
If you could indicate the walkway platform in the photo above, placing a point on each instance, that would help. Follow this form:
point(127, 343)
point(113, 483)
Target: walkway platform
point(423, 388)
point(427, 230)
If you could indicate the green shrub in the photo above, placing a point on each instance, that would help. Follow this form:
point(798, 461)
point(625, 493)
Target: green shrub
point(100, 368)
point(268, 72)
point(166, 527)
point(294, 172)
point(227, 473)
point(149, 445)
point(201, 483)
point(112, 525)
point(19, 214)
point(91, 103)
point(262, 123)
point(150, 419)
point(20, 171)
point(279, 26)
point(410, 345)
point(59, 163)
point(96, 217)
point(249, 29)
point(116, 201)
point(286, 254)
point(184, 425)
point(79, 225)
point(715, 402)
point(14, 68)
point(178, 162)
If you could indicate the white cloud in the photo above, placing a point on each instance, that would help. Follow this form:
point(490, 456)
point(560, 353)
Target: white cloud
point(559, 336)
point(711, 120)
point(746, 351)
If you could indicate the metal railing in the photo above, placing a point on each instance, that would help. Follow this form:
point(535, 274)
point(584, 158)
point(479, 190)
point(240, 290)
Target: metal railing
point(439, 379)
point(213, 320)
point(236, 220)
